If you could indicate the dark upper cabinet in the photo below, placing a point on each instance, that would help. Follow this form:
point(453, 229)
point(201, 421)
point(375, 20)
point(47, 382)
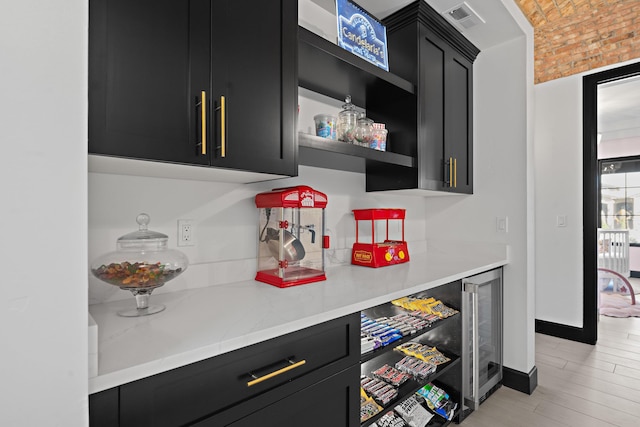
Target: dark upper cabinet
point(151, 64)
point(445, 79)
point(424, 48)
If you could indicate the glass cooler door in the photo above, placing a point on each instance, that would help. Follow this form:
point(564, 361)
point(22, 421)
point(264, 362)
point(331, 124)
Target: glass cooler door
point(482, 336)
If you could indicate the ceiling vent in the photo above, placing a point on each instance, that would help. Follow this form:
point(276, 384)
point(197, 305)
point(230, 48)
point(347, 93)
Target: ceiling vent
point(463, 17)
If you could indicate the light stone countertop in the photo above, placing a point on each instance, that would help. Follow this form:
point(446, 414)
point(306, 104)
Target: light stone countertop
point(208, 321)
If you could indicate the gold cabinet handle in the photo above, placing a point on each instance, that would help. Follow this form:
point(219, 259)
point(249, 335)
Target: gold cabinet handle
point(450, 171)
point(203, 110)
point(223, 127)
point(276, 373)
point(455, 173)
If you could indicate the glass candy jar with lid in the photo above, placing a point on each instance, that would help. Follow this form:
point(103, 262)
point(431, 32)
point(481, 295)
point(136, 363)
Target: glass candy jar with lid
point(347, 122)
point(364, 131)
point(141, 263)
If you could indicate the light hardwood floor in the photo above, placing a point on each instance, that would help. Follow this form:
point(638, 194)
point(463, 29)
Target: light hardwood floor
point(578, 384)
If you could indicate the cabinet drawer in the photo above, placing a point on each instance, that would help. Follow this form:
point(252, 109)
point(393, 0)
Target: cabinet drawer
point(190, 393)
point(338, 394)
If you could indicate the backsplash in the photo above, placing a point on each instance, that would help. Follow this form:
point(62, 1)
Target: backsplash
point(225, 221)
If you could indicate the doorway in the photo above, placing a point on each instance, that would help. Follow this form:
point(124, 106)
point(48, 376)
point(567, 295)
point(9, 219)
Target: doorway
point(591, 197)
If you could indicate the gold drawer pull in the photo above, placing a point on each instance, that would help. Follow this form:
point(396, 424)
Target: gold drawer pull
point(455, 173)
point(276, 373)
point(223, 127)
point(203, 97)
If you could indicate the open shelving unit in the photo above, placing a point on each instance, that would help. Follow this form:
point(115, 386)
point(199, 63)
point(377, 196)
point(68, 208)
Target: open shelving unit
point(444, 334)
point(327, 69)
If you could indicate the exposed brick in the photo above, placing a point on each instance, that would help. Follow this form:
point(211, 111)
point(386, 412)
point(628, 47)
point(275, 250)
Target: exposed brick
point(574, 36)
point(566, 7)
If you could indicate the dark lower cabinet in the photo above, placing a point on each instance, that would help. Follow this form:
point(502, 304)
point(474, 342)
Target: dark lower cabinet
point(104, 408)
point(197, 82)
point(302, 369)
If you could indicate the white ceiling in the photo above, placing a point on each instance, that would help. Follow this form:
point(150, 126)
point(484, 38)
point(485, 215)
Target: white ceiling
point(499, 25)
point(618, 102)
point(619, 108)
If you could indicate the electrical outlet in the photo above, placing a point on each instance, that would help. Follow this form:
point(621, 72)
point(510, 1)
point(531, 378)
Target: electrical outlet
point(185, 233)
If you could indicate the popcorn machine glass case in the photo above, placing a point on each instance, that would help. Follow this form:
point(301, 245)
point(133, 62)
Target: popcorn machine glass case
point(291, 239)
point(379, 254)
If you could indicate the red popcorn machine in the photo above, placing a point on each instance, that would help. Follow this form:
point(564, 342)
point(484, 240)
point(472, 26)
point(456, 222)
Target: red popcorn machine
point(383, 253)
point(291, 238)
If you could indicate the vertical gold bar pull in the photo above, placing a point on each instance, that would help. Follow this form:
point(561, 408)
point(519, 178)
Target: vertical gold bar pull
point(450, 171)
point(455, 173)
point(223, 128)
point(203, 119)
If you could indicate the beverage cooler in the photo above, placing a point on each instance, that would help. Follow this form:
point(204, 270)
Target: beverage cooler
point(481, 337)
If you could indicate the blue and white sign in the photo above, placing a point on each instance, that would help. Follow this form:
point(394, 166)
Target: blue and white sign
point(361, 34)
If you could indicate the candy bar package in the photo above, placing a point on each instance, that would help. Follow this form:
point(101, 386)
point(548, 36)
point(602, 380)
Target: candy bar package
point(368, 407)
point(382, 333)
point(382, 392)
point(438, 401)
point(414, 414)
point(423, 352)
point(425, 305)
point(390, 419)
point(391, 375)
point(416, 367)
point(368, 344)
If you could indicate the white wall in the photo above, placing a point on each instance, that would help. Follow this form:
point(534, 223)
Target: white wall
point(558, 191)
point(500, 189)
point(226, 221)
point(43, 304)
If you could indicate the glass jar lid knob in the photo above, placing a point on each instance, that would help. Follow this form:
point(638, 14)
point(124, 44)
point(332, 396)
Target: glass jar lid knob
point(142, 220)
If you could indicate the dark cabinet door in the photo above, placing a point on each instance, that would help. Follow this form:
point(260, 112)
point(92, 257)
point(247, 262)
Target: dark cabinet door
point(254, 69)
point(445, 145)
point(458, 123)
point(148, 63)
point(431, 100)
point(159, 72)
point(104, 409)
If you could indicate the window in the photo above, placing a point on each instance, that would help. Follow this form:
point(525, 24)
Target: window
point(620, 197)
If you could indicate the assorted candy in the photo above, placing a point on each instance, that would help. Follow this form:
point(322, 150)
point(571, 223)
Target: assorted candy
point(416, 367)
point(423, 352)
point(390, 419)
point(376, 334)
point(391, 375)
point(425, 305)
point(368, 406)
point(438, 401)
point(419, 362)
point(413, 412)
point(382, 392)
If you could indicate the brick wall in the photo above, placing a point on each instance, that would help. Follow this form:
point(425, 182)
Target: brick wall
point(574, 36)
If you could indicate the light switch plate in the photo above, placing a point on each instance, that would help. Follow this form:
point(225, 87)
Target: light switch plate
point(561, 221)
point(502, 224)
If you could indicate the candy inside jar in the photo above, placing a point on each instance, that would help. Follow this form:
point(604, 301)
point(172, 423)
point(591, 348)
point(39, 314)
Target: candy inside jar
point(379, 141)
point(364, 131)
point(347, 122)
